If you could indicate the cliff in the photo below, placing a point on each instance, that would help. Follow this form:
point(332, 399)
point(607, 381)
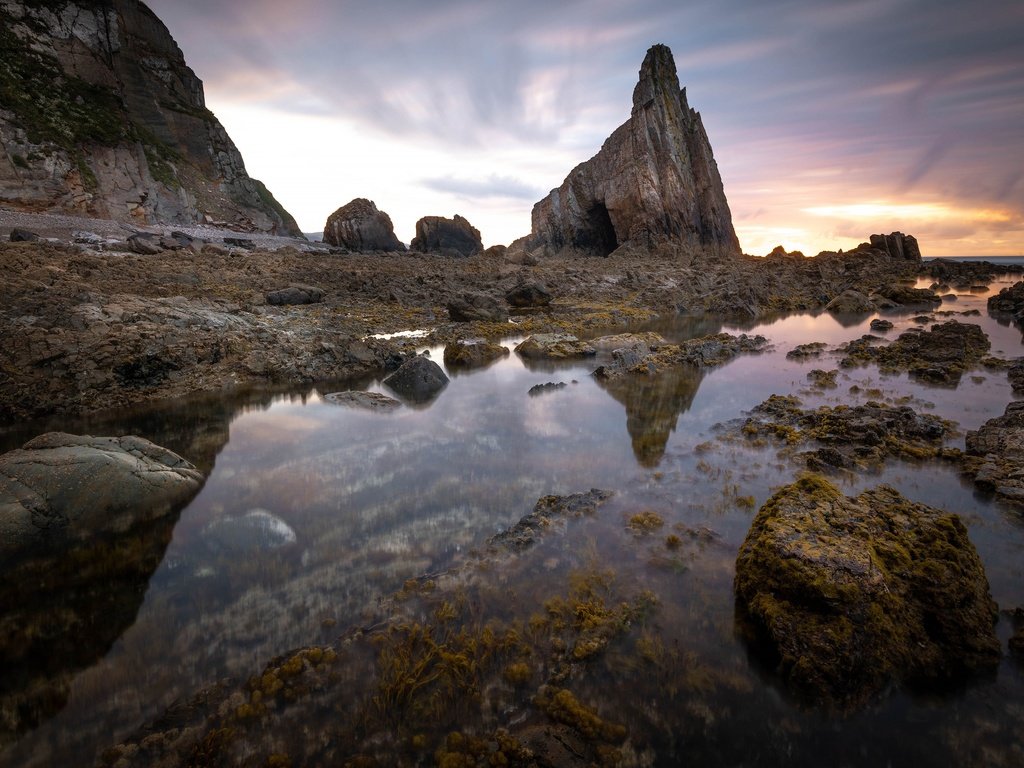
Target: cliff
point(101, 116)
point(654, 180)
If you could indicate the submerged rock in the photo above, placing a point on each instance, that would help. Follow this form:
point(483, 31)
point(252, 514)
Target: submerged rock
point(418, 380)
point(554, 346)
point(256, 531)
point(360, 226)
point(547, 510)
point(60, 488)
point(473, 354)
point(851, 594)
point(369, 401)
point(995, 454)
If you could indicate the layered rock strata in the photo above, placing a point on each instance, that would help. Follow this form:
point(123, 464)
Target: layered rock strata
point(101, 116)
point(360, 226)
point(654, 180)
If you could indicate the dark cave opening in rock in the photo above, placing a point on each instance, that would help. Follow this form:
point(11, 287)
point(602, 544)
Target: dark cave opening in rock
point(599, 237)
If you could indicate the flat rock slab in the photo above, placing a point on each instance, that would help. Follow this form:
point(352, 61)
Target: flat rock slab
point(554, 346)
point(853, 594)
point(369, 401)
point(61, 486)
point(418, 380)
point(620, 340)
point(473, 354)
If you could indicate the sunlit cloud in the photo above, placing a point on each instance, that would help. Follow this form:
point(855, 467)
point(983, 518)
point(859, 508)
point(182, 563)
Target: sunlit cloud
point(920, 211)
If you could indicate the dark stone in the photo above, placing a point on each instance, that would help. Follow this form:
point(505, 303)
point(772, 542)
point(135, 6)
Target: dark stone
point(898, 246)
point(418, 380)
point(456, 237)
point(546, 511)
point(473, 354)
point(541, 389)
point(878, 324)
point(360, 226)
point(296, 294)
point(145, 244)
point(23, 236)
point(472, 307)
point(528, 295)
point(240, 242)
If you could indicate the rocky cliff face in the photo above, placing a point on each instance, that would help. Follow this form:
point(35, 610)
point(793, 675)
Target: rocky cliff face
point(100, 116)
point(655, 180)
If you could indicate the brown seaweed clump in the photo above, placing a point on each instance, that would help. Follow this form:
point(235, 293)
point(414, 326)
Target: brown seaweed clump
point(850, 594)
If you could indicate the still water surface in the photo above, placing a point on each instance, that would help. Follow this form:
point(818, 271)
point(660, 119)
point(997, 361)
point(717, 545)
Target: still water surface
point(312, 512)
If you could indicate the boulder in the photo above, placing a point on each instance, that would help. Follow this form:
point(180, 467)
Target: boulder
point(620, 340)
point(654, 180)
point(470, 307)
point(145, 243)
point(850, 302)
point(60, 487)
point(360, 226)
point(368, 401)
point(417, 380)
point(456, 237)
point(879, 324)
point(1009, 302)
point(23, 236)
point(554, 346)
point(473, 354)
point(496, 252)
point(295, 294)
point(851, 594)
point(995, 455)
point(526, 295)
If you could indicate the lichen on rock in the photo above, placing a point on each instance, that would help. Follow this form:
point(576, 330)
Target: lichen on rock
point(846, 595)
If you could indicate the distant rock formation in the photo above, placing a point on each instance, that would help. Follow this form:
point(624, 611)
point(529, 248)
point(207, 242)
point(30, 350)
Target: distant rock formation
point(436, 234)
point(360, 226)
point(100, 116)
point(897, 245)
point(654, 180)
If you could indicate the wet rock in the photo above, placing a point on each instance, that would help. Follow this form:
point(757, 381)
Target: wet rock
point(1015, 373)
point(610, 343)
point(854, 437)
point(543, 389)
point(654, 181)
point(418, 380)
point(472, 307)
point(939, 355)
point(547, 511)
point(360, 226)
point(368, 401)
point(807, 351)
point(850, 594)
point(256, 531)
point(1009, 302)
point(527, 295)
point(850, 302)
point(59, 488)
point(295, 294)
point(995, 455)
point(554, 346)
point(703, 352)
point(23, 236)
point(456, 237)
point(473, 354)
point(823, 379)
point(903, 295)
point(878, 324)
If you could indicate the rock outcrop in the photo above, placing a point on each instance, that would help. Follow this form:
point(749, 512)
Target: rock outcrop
point(101, 116)
point(851, 594)
point(995, 455)
point(454, 237)
point(897, 245)
point(360, 226)
point(654, 180)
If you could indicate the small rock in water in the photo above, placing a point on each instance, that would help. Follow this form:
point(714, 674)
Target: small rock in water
point(370, 401)
point(878, 324)
point(256, 531)
point(540, 389)
point(418, 380)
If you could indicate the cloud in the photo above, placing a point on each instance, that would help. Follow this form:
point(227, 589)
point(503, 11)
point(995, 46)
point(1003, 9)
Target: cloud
point(492, 186)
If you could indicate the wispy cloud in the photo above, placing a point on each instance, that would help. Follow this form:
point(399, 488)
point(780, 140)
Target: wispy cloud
point(489, 187)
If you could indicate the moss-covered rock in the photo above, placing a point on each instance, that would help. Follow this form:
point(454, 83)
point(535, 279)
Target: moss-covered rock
point(939, 355)
point(851, 594)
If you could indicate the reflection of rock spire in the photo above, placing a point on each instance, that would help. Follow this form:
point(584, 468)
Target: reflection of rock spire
point(653, 405)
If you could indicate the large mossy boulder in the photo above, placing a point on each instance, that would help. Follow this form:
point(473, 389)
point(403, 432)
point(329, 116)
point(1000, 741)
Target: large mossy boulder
point(850, 594)
point(60, 488)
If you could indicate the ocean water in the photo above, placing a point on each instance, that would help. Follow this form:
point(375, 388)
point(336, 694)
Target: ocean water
point(313, 514)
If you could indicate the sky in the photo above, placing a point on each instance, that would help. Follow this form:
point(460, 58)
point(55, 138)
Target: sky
point(830, 120)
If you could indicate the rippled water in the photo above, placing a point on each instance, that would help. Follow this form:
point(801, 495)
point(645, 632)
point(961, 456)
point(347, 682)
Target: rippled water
point(312, 512)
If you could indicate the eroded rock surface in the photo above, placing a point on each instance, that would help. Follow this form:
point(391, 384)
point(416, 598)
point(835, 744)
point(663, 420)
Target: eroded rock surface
point(654, 180)
point(995, 454)
point(851, 594)
point(554, 346)
point(646, 358)
point(360, 226)
point(939, 355)
point(456, 237)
